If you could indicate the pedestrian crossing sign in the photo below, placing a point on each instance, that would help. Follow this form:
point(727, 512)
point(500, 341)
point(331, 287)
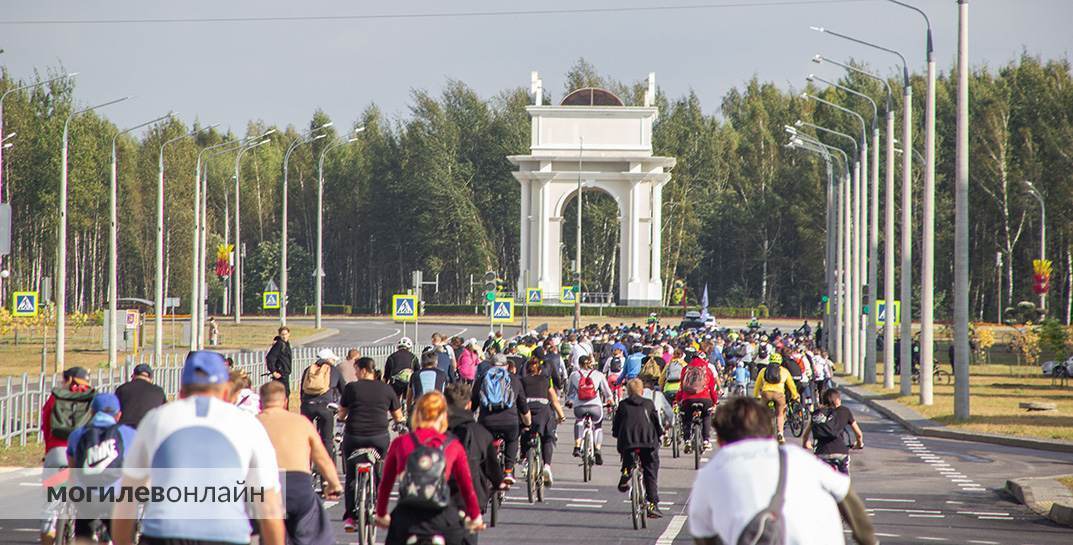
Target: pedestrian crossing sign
point(881, 313)
point(503, 311)
point(270, 300)
point(24, 304)
point(568, 295)
point(534, 296)
point(404, 308)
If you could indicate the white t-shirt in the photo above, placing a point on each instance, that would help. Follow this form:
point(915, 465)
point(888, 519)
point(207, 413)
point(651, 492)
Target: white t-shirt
point(198, 433)
point(748, 471)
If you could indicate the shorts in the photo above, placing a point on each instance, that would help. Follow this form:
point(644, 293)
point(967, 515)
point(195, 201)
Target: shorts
point(778, 397)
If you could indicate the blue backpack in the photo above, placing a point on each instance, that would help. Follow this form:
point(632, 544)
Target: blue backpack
point(496, 393)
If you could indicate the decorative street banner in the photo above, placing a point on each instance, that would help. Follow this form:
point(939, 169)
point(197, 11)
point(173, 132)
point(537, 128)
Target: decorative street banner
point(1041, 276)
point(223, 260)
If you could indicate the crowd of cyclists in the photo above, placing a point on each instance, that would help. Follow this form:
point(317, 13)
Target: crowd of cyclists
point(459, 421)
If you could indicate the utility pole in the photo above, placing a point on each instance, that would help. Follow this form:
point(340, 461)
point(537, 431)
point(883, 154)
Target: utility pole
point(961, 223)
point(577, 262)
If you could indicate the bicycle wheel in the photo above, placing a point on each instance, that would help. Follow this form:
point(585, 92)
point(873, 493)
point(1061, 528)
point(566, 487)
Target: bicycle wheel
point(676, 438)
point(796, 419)
point(586, 458)
point(533, 472)
point(65, 527)
point(493, 511)
point(639, 484)
point(697, 445)
point(636, 515)
point(360, 506)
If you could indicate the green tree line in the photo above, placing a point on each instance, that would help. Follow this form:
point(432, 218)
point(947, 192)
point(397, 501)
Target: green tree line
point(432, 190)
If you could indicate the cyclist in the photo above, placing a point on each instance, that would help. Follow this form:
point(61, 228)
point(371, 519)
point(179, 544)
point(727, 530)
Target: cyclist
point(365, 407)
point(671, 379)
point(298, 446)
point(614, 365)
point(400, 365)
point(588, 392)
point(826, 427)
point(139, 395)
point(772, 384)
point(67, 408)
point(322, 386)
point(481, 455)
point(741, 378)
point(634, 363)
point(638, 429)
point(429, 378)
point(502, 403)
point(698, 393)
point(545, 413)
point(427, 511)
point(96, 451)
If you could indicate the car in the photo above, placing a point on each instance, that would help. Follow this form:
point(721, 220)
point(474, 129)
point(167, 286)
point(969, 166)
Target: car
point(694, 320)
point(1058, 368)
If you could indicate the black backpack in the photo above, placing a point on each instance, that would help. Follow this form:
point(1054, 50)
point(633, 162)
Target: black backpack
point(821, 426)
point(616, 364)
point(424, 483)
point(100, 455)
point(773, 373)
point(768, 527)
point(70, 411)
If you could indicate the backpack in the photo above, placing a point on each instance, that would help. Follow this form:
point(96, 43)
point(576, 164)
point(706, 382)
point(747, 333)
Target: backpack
point(424, 482)
point(694, 379)
point(773, 373)
point(70, 411)
point(100, 455)
point(317, 379)
point(426, 382)
point(821, 426)
point(768, 527)
point(586, 388)
point(443, 361)
point(616, 365)
point(496, 392)
point(651, 369)
point(674, 371)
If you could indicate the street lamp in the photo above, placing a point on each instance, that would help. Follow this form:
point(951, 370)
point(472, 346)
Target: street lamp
point(236, 272)
point(1042, 233)
point(113, 245)
point(4, 96)
point(871, 232)
point(319, 282)
point(302, 139)
point(195, 273)
point(158, 325)
point(856, 366)
point(61, 247)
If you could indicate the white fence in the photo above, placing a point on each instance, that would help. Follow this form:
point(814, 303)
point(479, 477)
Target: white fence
point(23, 397)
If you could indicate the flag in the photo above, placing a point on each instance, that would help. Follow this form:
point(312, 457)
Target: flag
point(704, 304)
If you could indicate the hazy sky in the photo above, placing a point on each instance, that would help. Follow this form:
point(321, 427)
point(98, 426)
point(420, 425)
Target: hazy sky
point(280, 71)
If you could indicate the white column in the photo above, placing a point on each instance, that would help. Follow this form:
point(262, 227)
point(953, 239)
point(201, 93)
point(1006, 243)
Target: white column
point(524, 244)
point(542, 231)
point(657, 238)
point(634, 228)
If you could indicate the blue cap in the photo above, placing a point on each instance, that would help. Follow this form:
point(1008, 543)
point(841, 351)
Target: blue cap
point(143, 369)
point(205, 367)
point(105, 403)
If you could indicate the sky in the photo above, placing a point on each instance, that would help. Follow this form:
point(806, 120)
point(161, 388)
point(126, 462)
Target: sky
point(281, 71)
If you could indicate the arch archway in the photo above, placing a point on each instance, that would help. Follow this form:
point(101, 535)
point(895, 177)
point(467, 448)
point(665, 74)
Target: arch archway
point(602, 239)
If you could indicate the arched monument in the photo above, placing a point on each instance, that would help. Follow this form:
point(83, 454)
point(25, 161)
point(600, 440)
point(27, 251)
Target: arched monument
point(591, 134)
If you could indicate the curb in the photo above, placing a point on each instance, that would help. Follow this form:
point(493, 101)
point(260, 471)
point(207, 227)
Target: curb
point(918, 424)
point(1049, 499)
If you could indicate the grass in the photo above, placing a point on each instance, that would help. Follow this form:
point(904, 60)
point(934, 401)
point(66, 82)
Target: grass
point(996, 390)
point(28, 455)
point(1067, 481)
point(85, 348)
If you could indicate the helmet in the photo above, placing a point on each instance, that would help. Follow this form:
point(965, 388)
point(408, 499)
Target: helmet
point(776, 358)
point(762, 351)
point(406, 343)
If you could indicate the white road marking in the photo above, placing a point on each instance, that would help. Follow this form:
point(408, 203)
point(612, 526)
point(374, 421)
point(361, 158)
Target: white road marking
point(561, 489)
point(673, 529)
point(983, 513)
point(995, 518)
point(585, 505)
point(917, 515)
point(892, 510)
point(983, 542)
point(955, 502)
point(29, 484)
point(926, 538)
point(879, 534)
point(891, 500)
point(517, 503)
point(397, 331)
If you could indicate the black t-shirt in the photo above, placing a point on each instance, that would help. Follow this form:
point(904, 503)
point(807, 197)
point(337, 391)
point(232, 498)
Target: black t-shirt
point(136, 398)
point(837, 419)
point(397, 361)
point(536, 386)
point(427, 380)
point(505, 417)
point(368, 403)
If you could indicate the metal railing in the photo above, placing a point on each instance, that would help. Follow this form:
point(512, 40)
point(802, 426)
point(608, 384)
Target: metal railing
point(23, 397)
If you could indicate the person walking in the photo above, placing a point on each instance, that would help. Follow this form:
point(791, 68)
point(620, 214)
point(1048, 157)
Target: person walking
point(278, 359)
point(139, 395)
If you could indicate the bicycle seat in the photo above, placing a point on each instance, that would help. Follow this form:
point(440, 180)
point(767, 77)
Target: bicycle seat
point(370, 455)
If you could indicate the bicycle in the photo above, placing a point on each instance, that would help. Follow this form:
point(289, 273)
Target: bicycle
point(796, 417)
point(588, 449)
point(938, 375)
point(496, 501)
point(337, 440)
point(366, 465)
point(534, 474)
point(696, 444)
point(676, 434)
point(638, 506)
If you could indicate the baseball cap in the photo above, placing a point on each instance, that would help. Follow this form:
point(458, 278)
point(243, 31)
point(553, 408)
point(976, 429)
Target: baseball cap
point(78, 373)
point(105, 403)
point(143, 369)
point(204, 367)
point(326, 354)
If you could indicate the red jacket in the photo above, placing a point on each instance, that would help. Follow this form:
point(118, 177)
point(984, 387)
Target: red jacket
point(457, 468)
point(709, 393)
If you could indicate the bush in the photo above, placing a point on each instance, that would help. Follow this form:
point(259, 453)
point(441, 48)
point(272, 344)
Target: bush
point(1052, 338)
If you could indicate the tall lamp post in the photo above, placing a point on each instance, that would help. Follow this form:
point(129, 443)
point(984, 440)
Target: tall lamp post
point(303, 139)
point(61, 247)
point(4, 96)
point(195, 273)
point(1042, 233)
point(158, 322)
point(113, 246)
point(236, 272)
point(319, 282)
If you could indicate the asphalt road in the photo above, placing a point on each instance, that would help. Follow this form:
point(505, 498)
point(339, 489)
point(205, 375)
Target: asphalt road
point(918, 490)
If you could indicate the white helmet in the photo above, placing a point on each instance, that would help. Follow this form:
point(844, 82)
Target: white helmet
point(406, 343)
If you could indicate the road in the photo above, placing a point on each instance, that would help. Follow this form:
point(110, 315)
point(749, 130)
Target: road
point(918, 490)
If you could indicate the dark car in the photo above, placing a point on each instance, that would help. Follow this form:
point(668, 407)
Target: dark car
point(692, 320)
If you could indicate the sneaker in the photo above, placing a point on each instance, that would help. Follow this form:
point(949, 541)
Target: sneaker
point(707, 446)
point(547, 475)
point(666, 441)
point(688, 447)
point(781, 439)
point(599, 458)
point(624, 482)
point(577, 452)
point(653, 511)
point(349, 526)
point(508, 479)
